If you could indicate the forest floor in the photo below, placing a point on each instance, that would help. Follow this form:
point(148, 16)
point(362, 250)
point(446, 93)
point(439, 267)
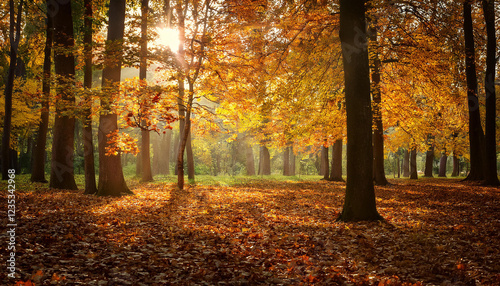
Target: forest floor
point(268, 232)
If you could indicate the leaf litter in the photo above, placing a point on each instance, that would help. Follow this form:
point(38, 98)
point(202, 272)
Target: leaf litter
point(436, 232)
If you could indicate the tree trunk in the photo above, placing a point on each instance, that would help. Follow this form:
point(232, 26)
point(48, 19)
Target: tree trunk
point(265, 161)
point(147, 175)
point(286, 161)
point(429, 162)
point(359, 203)
point(442, 164)
point(476, 135)
point(413, 164)
point(62, 172)
point(398, 165)
point(292, 161)
point(38, 167)
point(111, 180)
point(15, 28)
point(336, 173)
point(88, 144)
point(190, 158)
point(325, 162)
point(490, 171)
point(406, 163)
point(250, 162)
point(156, 144)
point(378, 131)
point(456, 166)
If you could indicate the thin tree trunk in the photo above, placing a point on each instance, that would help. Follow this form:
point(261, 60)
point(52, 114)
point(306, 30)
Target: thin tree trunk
point(336, 174)
point(442, 164)
point(490, 171)
point(111, 180)
point(250, 162)
point(413, 164)
point(406, 163)
point(88, 144)
point(325, 163)
point(359, 203)
point(62, 172)
point(476, 135)
point(38, 167)
point(190, 158)
point(15, 28)
point(286, 161)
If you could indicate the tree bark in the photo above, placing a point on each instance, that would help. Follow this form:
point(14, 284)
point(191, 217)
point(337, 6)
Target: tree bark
point(292, 161)
point(456, 166)
point(38, 167)
point(429, 161)
point(442, 165)
point(286, 161)
point(62, 172)
point(406, 163)
point(490, 171)
point(190, 158)
point(476, 135)
point(15, 28)
point(413, 164)
point(250, 162)
point(265, 161)
point(111, 180)
point(359, 203)
point(336, 173)
point(325, 162)
point(88, 144)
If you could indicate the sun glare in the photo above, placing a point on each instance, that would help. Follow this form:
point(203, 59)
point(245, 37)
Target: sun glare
point(169, 38)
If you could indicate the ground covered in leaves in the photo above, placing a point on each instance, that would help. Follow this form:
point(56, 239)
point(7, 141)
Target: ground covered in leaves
point(437, 232)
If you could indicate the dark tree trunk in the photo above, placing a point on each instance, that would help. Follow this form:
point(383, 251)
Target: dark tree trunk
point(292, 161)
point(15, 28)
point(476, 135)
point(406, 163)
point(378, 131)
point(359, 201)
point(111, 180)
point(398, 166)
point(265, 161)
point(442, 164)
point(250, 162)
point(190, 158)
point(325, 162)
point(336, 173)
point(413, 164)
point(88, 144)
point(286, 161)
point(62, 173)
point(456, 166)
point(429, 162)
point(147, 175)
point(490, 171)
point(38, 167)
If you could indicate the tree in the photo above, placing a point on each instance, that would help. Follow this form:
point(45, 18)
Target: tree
point(14, 38)
point(336, 173)
point(111, 180)
point(476, 135)
point(490, 164)
point(38, 167)
point(61, 171)
point(359, 203)
point(442, 164)
point(88, 144)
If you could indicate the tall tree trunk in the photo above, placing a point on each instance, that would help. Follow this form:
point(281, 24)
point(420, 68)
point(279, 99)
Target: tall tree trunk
point(325, 163)
point(38, 167)
point(265, 161)
point(15, 28)
point(413, 164)
point(442, 164)
point(490, 171)
point(111, 180)
point(190, 158)
point(476, 135)
point(62, 172)
point(292, 161)
point(88, 144)
point(336, 173)
point(429, 161)
point(147, 175)
point(399, 165)
point(359, 203)
point(378, 131)
point(456, 166)
point(406, 163)
point(250, 162)
point(286, 161)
